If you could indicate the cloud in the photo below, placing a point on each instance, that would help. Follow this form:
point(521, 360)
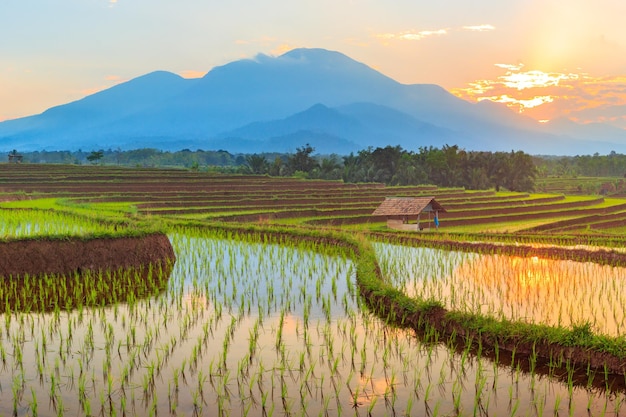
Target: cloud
point(510, 67)
point(410, 35)
point(281, 49)
point(111, 81)
point(192, 74)
point(548, 95)
point(418, 35)
point(92, 90)
point(520, 103)
point(535, 78)
point(275, 46)
point(480, 28)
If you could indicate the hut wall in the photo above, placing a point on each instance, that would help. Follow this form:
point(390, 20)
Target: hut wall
point(399, 225)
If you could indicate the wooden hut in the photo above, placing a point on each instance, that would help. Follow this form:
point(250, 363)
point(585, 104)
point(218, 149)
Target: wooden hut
point(406, 213)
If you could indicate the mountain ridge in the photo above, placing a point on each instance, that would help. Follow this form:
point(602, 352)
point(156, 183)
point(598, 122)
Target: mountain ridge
point(270, 101)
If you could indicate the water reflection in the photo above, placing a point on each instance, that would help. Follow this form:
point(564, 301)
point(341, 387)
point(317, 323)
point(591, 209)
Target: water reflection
point(535, 290)
point(257, 330)
point(45, 293)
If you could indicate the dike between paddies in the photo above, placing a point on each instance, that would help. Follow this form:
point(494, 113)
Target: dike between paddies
point(70, 255)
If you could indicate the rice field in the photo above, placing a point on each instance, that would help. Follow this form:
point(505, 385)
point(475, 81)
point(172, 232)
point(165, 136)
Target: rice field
point(554, 292)
point(246, 325)
point(16, 224)
point(251, 328)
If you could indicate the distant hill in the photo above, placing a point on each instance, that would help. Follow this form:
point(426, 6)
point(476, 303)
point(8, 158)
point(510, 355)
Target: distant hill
point(279, 103)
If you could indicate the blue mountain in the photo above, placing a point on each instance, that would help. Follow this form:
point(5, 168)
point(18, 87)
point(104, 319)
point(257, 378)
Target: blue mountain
point(279, 103)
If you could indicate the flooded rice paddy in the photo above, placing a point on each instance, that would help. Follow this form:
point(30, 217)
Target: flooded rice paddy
point(535, 290)
point(256, 329)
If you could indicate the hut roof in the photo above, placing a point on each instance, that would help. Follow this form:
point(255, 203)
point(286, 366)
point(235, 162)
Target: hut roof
point(407, 206)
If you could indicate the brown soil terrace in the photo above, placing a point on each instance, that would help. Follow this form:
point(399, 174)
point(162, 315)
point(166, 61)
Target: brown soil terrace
point(37, 257)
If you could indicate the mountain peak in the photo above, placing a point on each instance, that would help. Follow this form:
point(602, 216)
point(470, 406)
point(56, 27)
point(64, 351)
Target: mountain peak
point(314, 54)
point(323, 58)
point(266, 97)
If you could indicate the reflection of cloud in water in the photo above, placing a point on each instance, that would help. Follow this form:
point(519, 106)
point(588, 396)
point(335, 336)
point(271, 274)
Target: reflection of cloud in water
point(544, 291)
point(369, 389)
point(553, 292)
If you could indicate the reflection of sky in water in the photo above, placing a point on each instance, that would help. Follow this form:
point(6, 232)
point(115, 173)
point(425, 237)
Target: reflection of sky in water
point(529, 289)
point(225, 297)
point(270, 276)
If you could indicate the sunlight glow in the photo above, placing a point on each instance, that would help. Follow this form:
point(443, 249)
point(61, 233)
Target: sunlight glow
point(480, 28)
point(510, 67)
point(546, 95)
point(521, 103)
point(533, 79)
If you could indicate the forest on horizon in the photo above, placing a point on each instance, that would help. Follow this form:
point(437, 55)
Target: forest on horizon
point(448, 166)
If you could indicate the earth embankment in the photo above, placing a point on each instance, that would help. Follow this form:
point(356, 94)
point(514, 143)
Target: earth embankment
point(50, 256)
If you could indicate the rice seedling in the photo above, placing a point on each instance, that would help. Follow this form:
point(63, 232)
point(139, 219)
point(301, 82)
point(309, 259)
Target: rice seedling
point(556, 293)
point(29, 223)
point(250, 327)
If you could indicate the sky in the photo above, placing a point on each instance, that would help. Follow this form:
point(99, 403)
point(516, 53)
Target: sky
point(544, 58)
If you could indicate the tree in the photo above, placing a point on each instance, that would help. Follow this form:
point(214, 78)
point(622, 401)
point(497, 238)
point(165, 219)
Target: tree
point(95, 156)
point(276, 168)
point(385, 162)
point(256, 164)
point(329, 169)
point(358, 168)
point(521, 172)
point(408, 172)
point(302, 160)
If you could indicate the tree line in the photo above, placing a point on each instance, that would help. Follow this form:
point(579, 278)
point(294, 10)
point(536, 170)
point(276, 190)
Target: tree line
point(448, 166)
point(392, 165)
point(596, 165)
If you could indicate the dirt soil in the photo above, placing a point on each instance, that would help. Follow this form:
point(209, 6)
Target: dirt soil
point(36, 257)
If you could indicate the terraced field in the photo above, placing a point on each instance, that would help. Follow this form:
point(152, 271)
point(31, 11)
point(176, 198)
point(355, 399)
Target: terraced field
point(190, 195)
point(288, 297)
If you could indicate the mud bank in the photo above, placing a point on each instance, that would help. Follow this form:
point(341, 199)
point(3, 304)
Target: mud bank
point(37, 257)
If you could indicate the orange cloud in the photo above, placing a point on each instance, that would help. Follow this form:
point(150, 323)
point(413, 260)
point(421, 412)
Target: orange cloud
point(111, 79)
point(282, 48)
point(510, 67)
point(92, 90)
point(547, 95)
point(521, 104)
point(192, 74)
point(532, 79)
